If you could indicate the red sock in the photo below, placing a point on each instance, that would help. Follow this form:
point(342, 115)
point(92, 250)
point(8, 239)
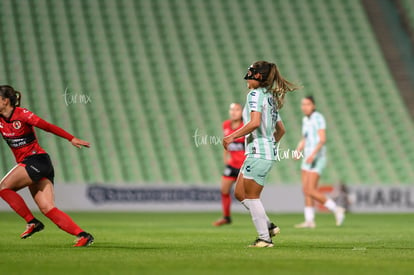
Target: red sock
point(17, 203)
point(226, 202)
point(63, 221)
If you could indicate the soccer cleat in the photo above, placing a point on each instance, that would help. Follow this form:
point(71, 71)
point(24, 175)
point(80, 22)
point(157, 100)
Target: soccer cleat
point(339, 215)
point(84, 239)
point(32, 227)
point(306, 225)
point(273, 230)
point(261, 243)
point(222, 221)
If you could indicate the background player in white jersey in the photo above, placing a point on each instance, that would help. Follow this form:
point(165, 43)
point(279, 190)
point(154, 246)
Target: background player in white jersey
point(314, 161)
point(267, 92)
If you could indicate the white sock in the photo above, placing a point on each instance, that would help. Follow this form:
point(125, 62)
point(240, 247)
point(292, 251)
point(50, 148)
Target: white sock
point(267, 221)
point(309, 214)
point(330, 204)
point(259, 217)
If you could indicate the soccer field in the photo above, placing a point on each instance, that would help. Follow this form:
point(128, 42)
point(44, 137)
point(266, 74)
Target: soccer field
point(171, 243)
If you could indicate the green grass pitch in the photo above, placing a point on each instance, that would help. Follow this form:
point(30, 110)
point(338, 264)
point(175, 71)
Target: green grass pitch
point(186, 243)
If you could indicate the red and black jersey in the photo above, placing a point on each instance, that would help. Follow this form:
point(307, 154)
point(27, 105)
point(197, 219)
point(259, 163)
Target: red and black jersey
point(236, 148)
point(18, 132)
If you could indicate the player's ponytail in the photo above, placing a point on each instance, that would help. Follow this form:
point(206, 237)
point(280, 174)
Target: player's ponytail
point(18, 99)
point(274, 82)
point(14, 96)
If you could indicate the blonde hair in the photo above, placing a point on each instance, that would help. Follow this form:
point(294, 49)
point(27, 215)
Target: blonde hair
point(274, 82)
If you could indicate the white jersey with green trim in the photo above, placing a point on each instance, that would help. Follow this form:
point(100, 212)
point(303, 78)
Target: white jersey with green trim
point(310, 127)
point(261, 143)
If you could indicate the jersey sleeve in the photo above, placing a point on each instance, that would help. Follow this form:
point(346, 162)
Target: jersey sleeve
point(320, 122)
point(303, 127)
point(255, 101)
point(28, 116)
point(224, 126)
point(32, 119)
point(279, 118)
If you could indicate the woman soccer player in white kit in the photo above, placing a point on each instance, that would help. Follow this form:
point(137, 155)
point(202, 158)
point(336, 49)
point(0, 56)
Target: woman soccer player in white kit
point(314, 161)
point(260, 115)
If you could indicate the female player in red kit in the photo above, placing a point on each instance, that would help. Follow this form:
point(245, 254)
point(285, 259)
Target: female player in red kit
point(233, 160)
point(34, 168)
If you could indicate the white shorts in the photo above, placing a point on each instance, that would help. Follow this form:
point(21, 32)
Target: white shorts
point(316, 166)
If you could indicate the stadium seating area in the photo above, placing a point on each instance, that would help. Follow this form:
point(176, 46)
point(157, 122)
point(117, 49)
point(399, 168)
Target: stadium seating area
point(409, 9)
point(139, 79)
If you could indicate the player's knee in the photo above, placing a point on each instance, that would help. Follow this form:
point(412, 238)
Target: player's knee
point(4, 184)
point(306, 191)
point(313, 193)
point(239, 195)
point(45, 208)
point(225, 191)
point(7, 186)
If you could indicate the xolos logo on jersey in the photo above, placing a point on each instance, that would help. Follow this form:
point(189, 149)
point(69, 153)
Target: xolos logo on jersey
point(17, 124)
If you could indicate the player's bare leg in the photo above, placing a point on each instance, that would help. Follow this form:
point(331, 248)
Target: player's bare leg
point(338, 212)
point(43, 194)
point(15, 180)
point(309, 210)
point(260, 220)
point(240, 194)
point(310, 189)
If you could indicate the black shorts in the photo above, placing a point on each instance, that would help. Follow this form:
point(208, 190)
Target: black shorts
point(38, 167)
point(230, 172)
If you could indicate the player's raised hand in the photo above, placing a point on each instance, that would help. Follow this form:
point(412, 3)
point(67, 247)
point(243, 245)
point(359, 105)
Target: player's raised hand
point(79, 143)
